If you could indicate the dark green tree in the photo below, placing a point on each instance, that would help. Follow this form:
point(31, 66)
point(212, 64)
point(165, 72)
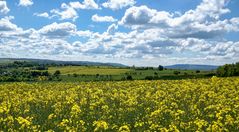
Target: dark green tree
point(176, 72)
point(160, 68)
point(228, 70)
point(57, 73)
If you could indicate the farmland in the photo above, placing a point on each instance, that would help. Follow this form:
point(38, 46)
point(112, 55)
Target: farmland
point(102, 73)
point(88, 70)
point(45, 70)
point(164, 105)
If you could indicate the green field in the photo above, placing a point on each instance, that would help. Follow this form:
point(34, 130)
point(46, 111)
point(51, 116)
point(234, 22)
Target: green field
point(104, 73)
point(5, 61)
point(92, 70)
point(32, 71)
point(151, 72)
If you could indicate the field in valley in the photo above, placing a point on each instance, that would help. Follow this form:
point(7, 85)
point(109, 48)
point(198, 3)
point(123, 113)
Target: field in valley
point(163, 105)
point(88, 70)
point(44, 70)
point(104, 73)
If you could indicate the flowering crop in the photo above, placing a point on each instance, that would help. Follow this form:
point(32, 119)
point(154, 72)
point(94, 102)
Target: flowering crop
point(179, 105)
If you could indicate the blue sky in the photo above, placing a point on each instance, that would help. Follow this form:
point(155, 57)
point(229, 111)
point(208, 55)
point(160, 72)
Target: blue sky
point(132, 32)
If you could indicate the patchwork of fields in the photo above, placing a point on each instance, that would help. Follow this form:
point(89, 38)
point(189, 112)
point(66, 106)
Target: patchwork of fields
point(178, 105)
point(93, 70)
point(105, 73)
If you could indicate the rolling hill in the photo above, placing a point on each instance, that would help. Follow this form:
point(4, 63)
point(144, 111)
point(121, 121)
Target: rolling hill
point(192, 67)
point(46, 61)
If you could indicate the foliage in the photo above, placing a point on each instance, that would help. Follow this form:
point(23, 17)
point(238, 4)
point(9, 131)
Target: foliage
point(57, 73)
point(129, 77)
point(198, 71)
point(176, 72)
point(26, 75)
point(228, 70)
point(151, 77)
point(160, 68)
point(179, 105)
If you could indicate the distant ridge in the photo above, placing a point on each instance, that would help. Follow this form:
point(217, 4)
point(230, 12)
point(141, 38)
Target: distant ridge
point(47, 61)
point(90, 63)
point(192, 67)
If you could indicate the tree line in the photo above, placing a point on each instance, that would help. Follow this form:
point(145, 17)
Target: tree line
point(228, 70)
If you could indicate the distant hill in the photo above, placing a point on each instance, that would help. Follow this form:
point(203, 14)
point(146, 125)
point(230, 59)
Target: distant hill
point(89, 63)
point(45, 61)
point(192, 67)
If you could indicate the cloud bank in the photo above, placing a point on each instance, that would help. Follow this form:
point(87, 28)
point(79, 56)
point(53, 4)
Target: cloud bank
point(195, 36)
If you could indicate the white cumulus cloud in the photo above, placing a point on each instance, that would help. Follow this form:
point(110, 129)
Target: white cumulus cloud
point(86, 4)
point(44, 14)
point(118, 4)
point(97, 18)
point(25, 3)
point(3, 7)
point(112, 28)
point(203, 22)
point(60, 30)
point(69, 11)
point(7, 25)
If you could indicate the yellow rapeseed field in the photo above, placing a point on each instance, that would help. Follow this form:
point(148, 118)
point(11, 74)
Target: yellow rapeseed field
point(179, 105)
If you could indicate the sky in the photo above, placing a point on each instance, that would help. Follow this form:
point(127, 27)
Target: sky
point(131, 32)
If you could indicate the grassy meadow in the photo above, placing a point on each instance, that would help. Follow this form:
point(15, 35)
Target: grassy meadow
point(40, 70)
point(103, 73)
point(88, 70)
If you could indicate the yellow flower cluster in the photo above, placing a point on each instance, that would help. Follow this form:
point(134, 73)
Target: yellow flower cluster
point(177, 105)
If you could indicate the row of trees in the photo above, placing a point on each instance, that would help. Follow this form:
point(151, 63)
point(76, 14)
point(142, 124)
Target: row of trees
point(34, 65)
point(228, 70)
point(27, 75)
point(160, 68)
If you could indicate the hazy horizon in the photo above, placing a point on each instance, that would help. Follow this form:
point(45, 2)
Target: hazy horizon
point(111, 62)
point(130, 32)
